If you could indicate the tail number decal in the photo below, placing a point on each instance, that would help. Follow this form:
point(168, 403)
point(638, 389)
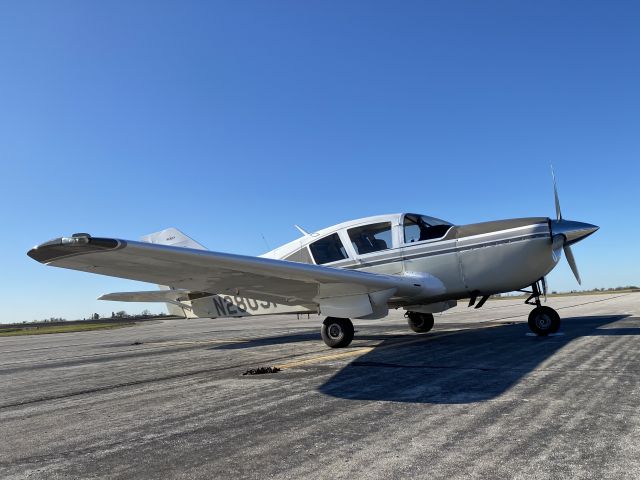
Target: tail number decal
point(234, 305)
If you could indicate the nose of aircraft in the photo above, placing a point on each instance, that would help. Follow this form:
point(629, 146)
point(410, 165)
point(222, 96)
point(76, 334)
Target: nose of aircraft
point(573, 231)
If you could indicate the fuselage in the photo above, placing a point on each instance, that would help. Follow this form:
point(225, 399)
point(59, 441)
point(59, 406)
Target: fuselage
point(448, 262)
point(457, 261)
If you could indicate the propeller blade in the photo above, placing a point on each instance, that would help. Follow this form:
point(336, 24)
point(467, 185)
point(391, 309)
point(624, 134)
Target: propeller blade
point(572, 263)
point(555, 194)
point(557, 243)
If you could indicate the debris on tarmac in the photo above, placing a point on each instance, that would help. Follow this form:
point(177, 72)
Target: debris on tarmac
point(261, 370)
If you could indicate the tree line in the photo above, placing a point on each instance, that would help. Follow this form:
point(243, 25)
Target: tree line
point(121, 314)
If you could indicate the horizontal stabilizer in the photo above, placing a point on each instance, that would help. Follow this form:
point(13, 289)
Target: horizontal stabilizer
point(171, 296)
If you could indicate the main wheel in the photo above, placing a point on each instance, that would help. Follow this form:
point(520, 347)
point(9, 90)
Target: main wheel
point(544, 320)
point(420, 322)
point(337, 332)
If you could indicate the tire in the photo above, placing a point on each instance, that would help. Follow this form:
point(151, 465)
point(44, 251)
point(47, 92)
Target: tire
point(420, 322)
point(337, 332)
point(544, 320)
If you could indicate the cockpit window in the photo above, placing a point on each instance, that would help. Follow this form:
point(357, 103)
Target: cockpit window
point(371, 238)
point(418, 228)
point(328, 249)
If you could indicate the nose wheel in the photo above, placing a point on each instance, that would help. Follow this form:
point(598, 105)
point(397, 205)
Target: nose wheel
point(337, 332)
point(543, 320)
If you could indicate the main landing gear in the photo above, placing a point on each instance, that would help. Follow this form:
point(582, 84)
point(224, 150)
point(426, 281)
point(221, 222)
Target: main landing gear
point(337, 332)
point(543, 320)
point(419, 322)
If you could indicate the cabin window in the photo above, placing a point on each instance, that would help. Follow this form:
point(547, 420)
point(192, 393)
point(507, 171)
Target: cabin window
point(328, 249)
point(300, 256)
point(418, 228)
point(371, 238)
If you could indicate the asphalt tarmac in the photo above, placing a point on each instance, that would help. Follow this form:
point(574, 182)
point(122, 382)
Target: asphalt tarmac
point(478, 397)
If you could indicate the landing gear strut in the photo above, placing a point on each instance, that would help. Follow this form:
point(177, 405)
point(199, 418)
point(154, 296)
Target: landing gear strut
point(543, 320)
point(337, 332)
point(419, 322)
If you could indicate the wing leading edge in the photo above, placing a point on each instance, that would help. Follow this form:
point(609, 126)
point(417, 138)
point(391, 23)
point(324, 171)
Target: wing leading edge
point(337, 292)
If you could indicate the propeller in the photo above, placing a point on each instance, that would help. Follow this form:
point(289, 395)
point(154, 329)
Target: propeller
point(565, 233)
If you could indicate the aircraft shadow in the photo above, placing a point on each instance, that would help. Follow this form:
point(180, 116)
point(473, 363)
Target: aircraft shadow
point(312, 336)
point(263, 341)
point(463, 367)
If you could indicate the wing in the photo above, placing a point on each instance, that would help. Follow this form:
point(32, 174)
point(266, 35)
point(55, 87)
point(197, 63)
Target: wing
point(337, 292)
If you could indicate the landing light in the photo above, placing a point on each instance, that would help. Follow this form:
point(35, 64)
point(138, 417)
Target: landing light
point(76, 239)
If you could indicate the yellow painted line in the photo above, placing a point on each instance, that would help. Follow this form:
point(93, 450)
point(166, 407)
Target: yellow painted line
point(362, 351)
point(321, 358)
point(357, 352)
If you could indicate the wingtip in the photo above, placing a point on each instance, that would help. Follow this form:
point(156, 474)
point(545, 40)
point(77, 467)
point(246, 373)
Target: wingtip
point(33, 253)
point(62, 247)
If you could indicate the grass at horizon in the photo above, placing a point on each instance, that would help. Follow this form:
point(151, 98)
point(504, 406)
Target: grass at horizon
point(49, 329)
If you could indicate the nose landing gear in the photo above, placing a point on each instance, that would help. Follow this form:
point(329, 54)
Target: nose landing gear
point(543, 320)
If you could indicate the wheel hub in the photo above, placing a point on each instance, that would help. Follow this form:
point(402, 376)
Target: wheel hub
point(334, 330)
point(417, 320)
point(543, 321)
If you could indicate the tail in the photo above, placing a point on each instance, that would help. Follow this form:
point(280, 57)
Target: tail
point(174, 237)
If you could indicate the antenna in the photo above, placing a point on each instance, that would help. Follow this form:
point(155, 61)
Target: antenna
point(265, 241)
point(302, 230)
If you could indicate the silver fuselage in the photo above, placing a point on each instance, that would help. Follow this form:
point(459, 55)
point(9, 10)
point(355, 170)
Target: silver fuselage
point(470, 260)
point(473, 260)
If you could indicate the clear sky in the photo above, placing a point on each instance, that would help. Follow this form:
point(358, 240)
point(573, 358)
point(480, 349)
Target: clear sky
point(235, 120)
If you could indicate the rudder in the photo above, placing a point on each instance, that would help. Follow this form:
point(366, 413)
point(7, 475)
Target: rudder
point(175, 238)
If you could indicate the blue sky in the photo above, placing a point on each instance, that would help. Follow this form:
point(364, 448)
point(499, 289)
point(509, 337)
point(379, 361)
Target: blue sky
point(235, 120)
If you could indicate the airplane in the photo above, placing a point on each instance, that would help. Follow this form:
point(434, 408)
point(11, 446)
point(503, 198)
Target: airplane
point(354, 270)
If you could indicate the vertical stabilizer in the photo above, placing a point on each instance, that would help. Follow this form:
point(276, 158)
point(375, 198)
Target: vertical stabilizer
point(175, 238)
